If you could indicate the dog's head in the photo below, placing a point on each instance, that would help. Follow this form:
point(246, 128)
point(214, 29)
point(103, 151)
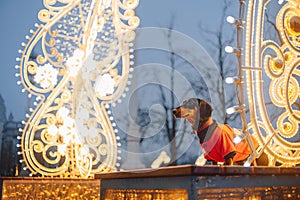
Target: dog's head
point(196, 111)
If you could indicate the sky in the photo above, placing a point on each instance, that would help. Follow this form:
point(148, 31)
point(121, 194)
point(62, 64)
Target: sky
point(17, 17)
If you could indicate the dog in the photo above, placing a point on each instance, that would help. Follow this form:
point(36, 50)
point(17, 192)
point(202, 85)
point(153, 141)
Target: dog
point(215, 139)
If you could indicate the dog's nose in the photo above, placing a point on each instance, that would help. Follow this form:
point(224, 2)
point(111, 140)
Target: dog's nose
point(174, 111)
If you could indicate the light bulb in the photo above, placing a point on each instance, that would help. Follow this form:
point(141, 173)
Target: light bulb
point(230, 20)
point(230, 80)
point(230, 49)
point(233, 109)
point(237, 139)
point(230, 110)
point(247, 164)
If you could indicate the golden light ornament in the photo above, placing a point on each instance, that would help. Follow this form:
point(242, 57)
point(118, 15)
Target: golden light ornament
point(76, 64)
point(272, 79)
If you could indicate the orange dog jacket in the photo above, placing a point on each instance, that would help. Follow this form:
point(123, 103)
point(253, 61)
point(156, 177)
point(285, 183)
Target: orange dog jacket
point(218, 143)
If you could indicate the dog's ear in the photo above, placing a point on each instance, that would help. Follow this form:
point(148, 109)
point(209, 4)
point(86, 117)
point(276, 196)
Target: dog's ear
point(205, 109)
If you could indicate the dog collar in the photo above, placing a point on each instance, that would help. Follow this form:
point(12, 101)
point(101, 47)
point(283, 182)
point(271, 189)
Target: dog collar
point(209, 122)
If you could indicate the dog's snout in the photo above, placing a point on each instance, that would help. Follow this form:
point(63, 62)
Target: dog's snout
point(174, 111)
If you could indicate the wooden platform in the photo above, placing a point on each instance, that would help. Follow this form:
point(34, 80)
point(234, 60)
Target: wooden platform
point(193, 170)
point(209, 182)
point(169, 183)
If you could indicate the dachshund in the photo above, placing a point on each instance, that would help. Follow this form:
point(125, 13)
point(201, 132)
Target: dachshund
point(215, 139)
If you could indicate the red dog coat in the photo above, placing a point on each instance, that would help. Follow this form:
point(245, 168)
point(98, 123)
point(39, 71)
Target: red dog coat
point(218, 143)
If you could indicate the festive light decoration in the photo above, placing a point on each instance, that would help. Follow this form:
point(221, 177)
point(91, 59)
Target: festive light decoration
point(274, 63)
point(229, 49)
point(75, 64)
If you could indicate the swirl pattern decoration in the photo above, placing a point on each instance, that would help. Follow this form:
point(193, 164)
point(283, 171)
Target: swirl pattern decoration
point(272, 74)
point(75, 64)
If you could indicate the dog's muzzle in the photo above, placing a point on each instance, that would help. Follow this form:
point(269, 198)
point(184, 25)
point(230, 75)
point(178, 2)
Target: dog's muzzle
point(176, 112)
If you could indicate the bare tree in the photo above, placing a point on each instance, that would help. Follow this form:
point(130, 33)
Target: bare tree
point(215, 41)
point(170, 128)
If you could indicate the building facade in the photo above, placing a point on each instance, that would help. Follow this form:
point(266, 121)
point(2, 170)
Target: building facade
point(10, 165)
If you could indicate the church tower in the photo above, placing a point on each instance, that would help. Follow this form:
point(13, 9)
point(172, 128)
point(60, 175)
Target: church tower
point(2, 120)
